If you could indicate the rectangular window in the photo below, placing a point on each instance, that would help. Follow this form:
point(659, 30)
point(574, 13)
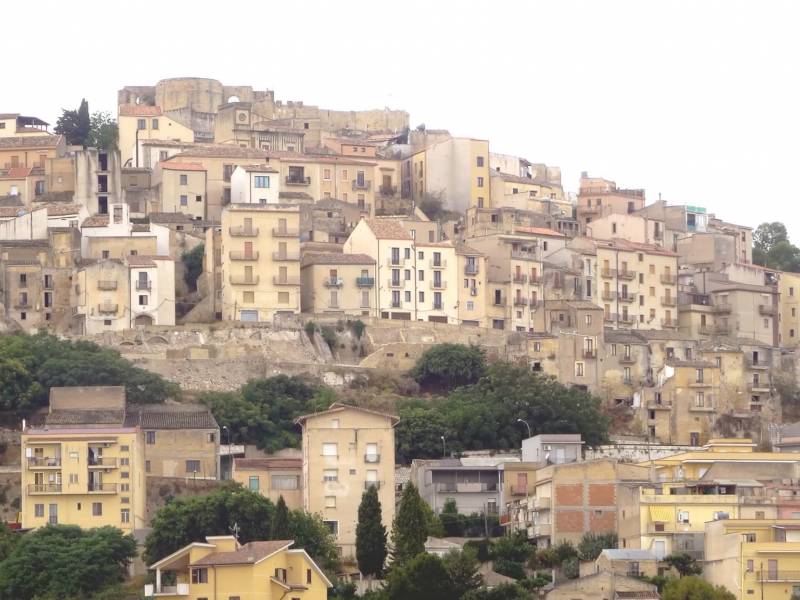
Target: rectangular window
point(192, 466)
point(330, 449)
point(184, 179)
point(330, 475)
point(479, 161)
point(73, 478)
point(141, 124)
point(261, 181)
point(38, 510)
point(285, 482)
point(199, 575)
point(254, 483)
point(97, 509)
point(125, 515)
point(142, 300)
point(480, 182)
point(330, 501)
point(150, 437)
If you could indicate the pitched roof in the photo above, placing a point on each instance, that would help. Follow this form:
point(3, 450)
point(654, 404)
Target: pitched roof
point(334, 258)
point(264, 464)
point(171, 416)
point(249, 553)
point(60, 210)
point(12, 211)
point(144, 260)
point(294, 196)
point(175, 165)
point(259, 169)
point(96, 221)
point(16, 172)
point(230, 151)
point(387, 229)
point(168, 217)
point(139, 110)
point(338, 407)
point(85, 417)
point(539, 231)
point(31, 141)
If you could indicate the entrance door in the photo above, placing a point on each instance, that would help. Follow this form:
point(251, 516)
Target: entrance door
point(248, 315)
point(659, 548)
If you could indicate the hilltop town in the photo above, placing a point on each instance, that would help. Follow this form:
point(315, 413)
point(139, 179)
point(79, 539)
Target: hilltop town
point(267, 342)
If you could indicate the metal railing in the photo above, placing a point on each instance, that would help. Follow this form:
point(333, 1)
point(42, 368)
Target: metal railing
point(242, 255)
point(244, 280)
point(390, 190)
point(438, 285)
point(669, 279)
point(144, 285)
point(297, 180)
point(776, 576)
point(519, 278)
point(723, 308)
point(289, 280)
point(104, 462)
point(333, 282)
point(365, 184)
point(243, 231)
point(520, 301)
point(589, 353)
point(44, 488)
point(44, 461)
point(395, 283)
point(102, 488)
point(365, 281)
point(471, 269)
point(285, 256)
point(767, 310)
point(285, 232)
point(440, 264)
point(106, 285)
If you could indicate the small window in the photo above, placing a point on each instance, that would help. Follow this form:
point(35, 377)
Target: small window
point(184, 179)
point(97, 509)
point(199, 575)
point(253, 483)
point(150, 437)
point(330, 475)
point(330, 501)
point(154, 123)
point(330, 449)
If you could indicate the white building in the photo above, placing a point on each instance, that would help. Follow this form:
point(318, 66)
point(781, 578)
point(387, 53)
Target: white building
point(255, 184)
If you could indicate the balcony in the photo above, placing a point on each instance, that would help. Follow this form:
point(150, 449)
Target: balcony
point(333, 282)
point(608, 295)
point(106, 285)
point(465, 487)
point(618, 273)
point(438, 285)
point(590, 210)
point(44, 462)
point(499, 301)
point(44, 488)
point(22, 304)
point(610, 317)
point(285, 232)
point(521, 490)
point(701, 409)
point(473, 291)
point(702, 383)
point(297, 180)
point(244, 279)
point(626, 297)
point(519, 278)
point(362, 185)
point(542, 530)
point(440, 264)
point(471, 269)
point(372, 458)
point(438, 306)
point(395, 262)
point(278, 280)
point(760, 365)
point(285, 256)
point(395, 283)
point(144, 286)
point(721, 309)
point(523, 255)
point(369, 484)
point(102, 488)
point(387, 191)
point(767, 310)
point(589, 353)
point(103, 462)
point(762, 387)
point(243, 255)
point(541, 503)
point(396, 304)
point(669, 324)
point(520, 301)
point(107, 309)
point(627, 319)
point(180, 589)
point(243, 231)
point(626, 359)
point(778, 576)
point(669, 301)
point(669, 279)
point(535, 279)
point(365, 281)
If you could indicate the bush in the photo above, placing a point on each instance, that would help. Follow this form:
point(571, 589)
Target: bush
point(329, 335)
point(310, 329)
point(193, 261)
point(592, 544)
point(357, 327)
point(571, 568)
point(447, 366)
point(509, 568)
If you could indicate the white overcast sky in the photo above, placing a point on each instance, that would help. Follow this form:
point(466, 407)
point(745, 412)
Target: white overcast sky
point(698, 100)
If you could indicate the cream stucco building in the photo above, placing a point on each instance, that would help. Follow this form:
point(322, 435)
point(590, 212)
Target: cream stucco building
point(338, 283)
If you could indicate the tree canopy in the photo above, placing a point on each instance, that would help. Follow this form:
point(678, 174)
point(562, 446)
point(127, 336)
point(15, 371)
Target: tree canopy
point(193, 262)
point(694, 588)
point(65, 561)
point(31, 364)
point(410, 527)
point(592, 544)
point(447, 366)
point(75, 124)
point(371, 549)
point(684, 564)
point(428, 577)
point(772, 248)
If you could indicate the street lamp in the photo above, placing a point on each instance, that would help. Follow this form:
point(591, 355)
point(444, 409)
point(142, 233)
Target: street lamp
point(444, 447)
point(526, 425)
point(228, 445)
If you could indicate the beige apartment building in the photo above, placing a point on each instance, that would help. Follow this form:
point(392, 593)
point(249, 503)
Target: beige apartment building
point(326, 177)
point(337, 283)
point(260, 261)
point(789, 309)
point(414, 280)
point(347, 449)
point(272, 477)
point(635, 227)
point(599, 197)
point(138, 123)
point(472, 266)
point(181, 188)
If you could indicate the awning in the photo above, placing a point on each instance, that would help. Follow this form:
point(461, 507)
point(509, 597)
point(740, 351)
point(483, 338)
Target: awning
point(661, 514)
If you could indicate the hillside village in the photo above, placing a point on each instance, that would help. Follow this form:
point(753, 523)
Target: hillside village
point(305, 314)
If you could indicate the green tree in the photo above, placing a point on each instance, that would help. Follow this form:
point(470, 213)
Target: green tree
point(371, 549)
point(592, 544)
point(75, 125)
point(452, 522)
point(64, 561)
point(280, 524)
point(310, 533)
point(8, 541)
point(510, 555)
point(19, 390)
point(462, 569)
point(772, 248)
point(410, 527)
point(422, 577)
point(694, 588)
point(683, 563)
point(571, 568)
point(504, 591)
point(447, 366)
point(419, 432)
point(193, 263)
point(767, 235)
point(103, 132)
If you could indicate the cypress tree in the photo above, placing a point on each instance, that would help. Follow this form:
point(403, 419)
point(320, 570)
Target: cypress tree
point(84, 123)
point(370, 535)
point(280, 524)
point(410, 528)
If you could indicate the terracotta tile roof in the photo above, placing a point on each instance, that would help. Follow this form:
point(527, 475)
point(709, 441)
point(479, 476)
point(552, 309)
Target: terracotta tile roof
point(85, 417)
point(139, 110)
point(12, 211)
point(16, 173)
point(31, 141)
point(167, 217)
point(60, 210)
point(171, 416)
point(334, 258)
point(539, 231)
point(338, 407)
point(249, 553)
point(224, 151)
point(294, 196)
point(174, 165)
point(96, 221)
point(388, 229)
point(141, 260)
point(264, 464)
point(259, 169)
point(331, 160)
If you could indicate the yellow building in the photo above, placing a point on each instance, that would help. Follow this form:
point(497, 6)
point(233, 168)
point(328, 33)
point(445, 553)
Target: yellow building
point(271, 477)
point(181, 187)
point(326, 177)
point(85, 464)
point(600, 197)
point(223, 568)
point(789, 309)
point(347, 449)
point(337, 283)
point(754, 558)
point(260, 258)
point(17, 125)
point(472, 267)
point(138, 123)
point(30, 151)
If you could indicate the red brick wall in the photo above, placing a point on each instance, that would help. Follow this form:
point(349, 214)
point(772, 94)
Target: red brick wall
point(569, 494)
point(602, 494)
point(569, 521)
point(605, 521)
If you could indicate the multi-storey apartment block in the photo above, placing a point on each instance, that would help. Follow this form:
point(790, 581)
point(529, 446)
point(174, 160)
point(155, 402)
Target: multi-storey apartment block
point(338, 283)
point(180, 187)
point(272, 477)
point(600, 197)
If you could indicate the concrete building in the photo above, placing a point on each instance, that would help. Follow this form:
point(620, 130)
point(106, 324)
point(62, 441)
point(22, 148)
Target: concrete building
point(473, 267)
point(789, 310)
point(84, 464)
point(346, 449)
point(272, 477)
point(627, 562)
point(181, 188)
point(600, 197)
point(552, 448)
point(337, 283)
point(603, 586)
point(236, 123)
point(17, 125)
point(223, 567)
point(260, 261)
point(114, 235)
point(255, 184)
point(138, 123)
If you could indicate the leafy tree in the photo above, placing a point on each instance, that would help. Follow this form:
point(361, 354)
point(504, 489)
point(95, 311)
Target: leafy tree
point(371, 549)
point(64, 561)
point(767, 235)
point(571, 568)
point(694, 588)
point(683, 563)
point(410, 527)
point(309, 532)
point(592, 544)
point(422, 577)
point(554, 556)
point(510, 555)
point(509, 568)
point(462, 569)
point(772, 248)
point(419, 432)
point(8, 541)
point(452, 522)
point(504, 591)
point(280, 524)
point(193, 263)
point(75, 124)
point(19, 389)
point(433, 207)
point(447, 366)
point(103, 132)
